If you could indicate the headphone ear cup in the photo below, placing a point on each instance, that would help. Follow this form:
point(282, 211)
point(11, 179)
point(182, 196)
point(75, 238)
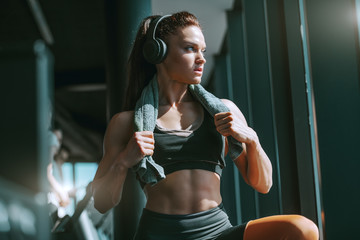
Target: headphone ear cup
point(154, 50)
point(151, 50)
point(162, 50)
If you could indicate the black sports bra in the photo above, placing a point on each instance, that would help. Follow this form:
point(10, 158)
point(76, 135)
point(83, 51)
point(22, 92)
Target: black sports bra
point(202, 148)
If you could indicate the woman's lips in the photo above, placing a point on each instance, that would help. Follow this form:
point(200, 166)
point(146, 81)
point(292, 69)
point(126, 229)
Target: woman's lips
point(198, 70)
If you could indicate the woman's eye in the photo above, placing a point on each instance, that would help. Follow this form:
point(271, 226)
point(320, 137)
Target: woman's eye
point(190, 49)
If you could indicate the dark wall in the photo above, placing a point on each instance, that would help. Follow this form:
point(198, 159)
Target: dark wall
point(334, 56)
point(299, 89)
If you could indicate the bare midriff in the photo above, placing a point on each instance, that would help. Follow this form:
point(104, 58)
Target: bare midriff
point(184, 192)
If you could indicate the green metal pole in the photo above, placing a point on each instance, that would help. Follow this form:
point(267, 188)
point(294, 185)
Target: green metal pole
point(122, 21)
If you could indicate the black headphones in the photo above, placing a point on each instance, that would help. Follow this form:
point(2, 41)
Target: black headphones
point(154, 49)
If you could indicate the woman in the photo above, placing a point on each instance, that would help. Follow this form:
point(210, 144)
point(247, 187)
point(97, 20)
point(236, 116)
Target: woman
point(186, 204)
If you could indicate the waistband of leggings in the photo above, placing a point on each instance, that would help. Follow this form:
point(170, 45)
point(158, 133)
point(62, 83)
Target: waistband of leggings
point(149, 213)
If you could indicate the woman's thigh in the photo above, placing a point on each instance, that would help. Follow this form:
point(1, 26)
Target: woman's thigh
point(294, 227)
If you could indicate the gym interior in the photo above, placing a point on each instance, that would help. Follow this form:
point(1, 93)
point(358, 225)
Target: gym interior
point(291, 66)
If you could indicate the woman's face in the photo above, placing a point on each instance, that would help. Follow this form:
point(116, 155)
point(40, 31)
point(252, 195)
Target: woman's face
point(185, 58)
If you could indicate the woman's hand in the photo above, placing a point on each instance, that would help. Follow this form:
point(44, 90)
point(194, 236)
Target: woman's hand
point(141, 144)
point(64, 199)
point(228, 124)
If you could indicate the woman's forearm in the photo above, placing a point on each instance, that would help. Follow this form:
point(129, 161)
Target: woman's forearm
point(55, 186)
point(107, 189)
point(259, 169)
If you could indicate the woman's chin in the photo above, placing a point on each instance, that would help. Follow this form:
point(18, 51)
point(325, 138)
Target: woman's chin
point(196, 80)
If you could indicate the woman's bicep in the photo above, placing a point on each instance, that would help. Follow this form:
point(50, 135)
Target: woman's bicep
point(115, 140)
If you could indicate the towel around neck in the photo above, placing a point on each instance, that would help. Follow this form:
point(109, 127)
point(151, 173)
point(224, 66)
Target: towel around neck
point(146, 112)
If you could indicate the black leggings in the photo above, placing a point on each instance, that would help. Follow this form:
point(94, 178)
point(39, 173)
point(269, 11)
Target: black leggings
point(212, 224)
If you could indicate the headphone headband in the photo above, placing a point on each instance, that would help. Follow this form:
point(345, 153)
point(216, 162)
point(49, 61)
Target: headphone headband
point(153, 25)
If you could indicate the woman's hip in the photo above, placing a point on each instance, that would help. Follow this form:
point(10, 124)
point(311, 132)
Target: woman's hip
point(203, 225)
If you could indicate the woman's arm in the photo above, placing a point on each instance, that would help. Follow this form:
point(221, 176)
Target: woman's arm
point(122, 150)
point(253, 163)
point(61, 193)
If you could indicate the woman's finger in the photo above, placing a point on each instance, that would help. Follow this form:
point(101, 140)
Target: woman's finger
point(224, 126)
point(221, 115)
point(147, 140)
point(147, 152)
point(144, 137)
point(147, 134)
point(224, 120)
point(148, 146)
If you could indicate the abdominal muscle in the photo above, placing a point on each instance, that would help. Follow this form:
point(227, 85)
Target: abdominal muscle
point(184, 192)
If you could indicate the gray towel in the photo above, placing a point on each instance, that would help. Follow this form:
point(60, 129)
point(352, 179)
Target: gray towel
point(146, 111)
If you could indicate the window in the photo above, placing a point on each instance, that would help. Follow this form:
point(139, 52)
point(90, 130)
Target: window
point(78, 175)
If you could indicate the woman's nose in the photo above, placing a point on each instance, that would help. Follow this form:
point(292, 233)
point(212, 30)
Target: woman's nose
point(200, 58)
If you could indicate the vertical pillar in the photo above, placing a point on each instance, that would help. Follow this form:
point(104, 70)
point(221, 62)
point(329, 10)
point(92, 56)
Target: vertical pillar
point(26, 71)
point(283, 110)
point(122, 21)
point(303, 112)
point(252, 91)
point(262, 117)
point(240, 92)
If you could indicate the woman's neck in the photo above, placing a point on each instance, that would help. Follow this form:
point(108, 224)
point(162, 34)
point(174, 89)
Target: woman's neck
point(172, 92)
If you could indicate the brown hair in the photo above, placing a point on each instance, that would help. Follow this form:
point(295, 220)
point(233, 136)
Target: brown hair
point(139, 71)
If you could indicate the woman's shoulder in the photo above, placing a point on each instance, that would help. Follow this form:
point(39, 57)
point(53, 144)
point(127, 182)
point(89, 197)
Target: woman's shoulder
point(229, 104)
point(233, 108)
point(123, 116)
point(122, 119)
point(120, 128)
